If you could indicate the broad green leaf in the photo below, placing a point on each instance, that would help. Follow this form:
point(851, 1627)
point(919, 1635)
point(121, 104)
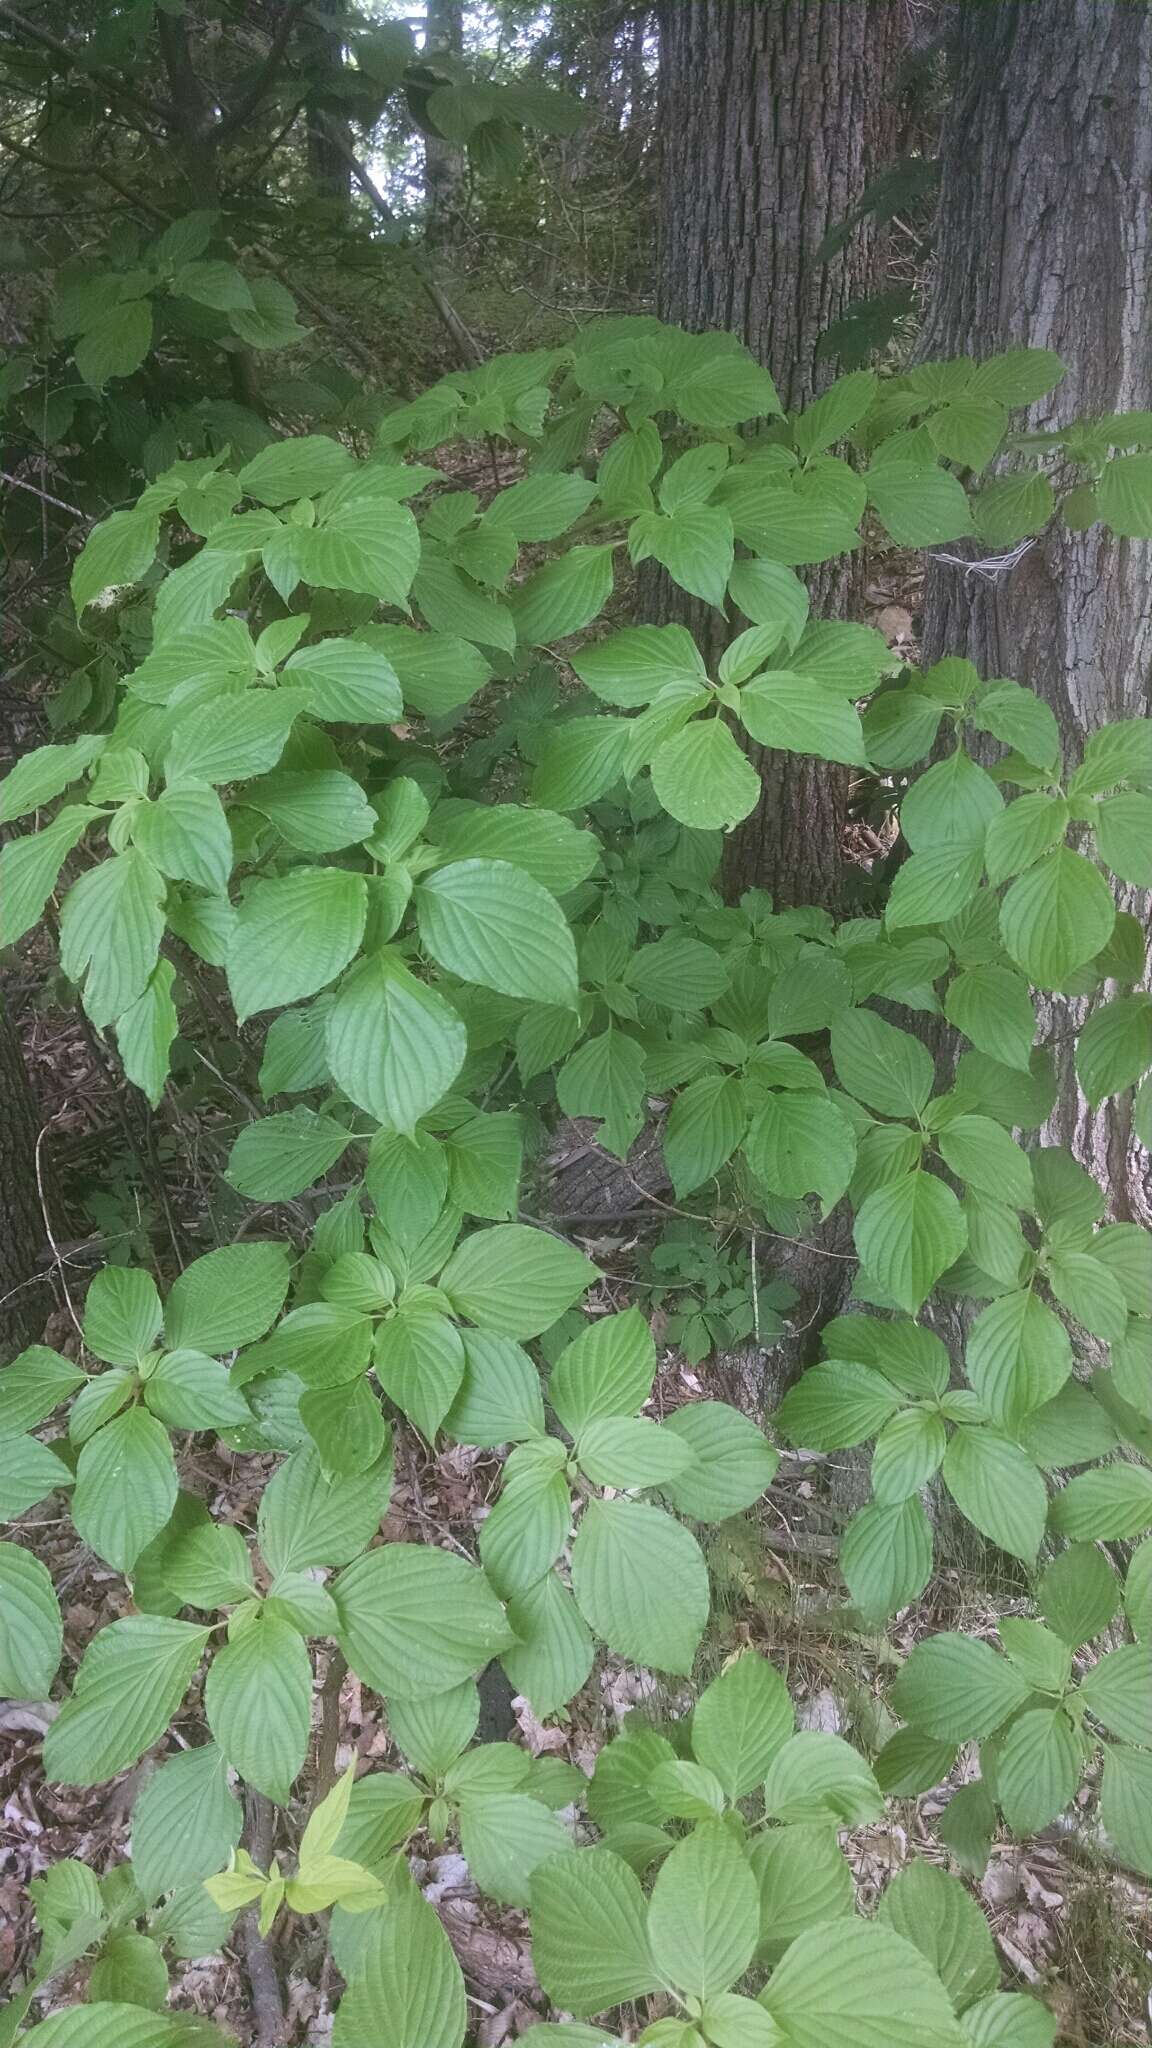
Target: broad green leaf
point(908, 1234)
point(315, 810)
point(1090, 1291)
point(907, 1453)
point(500, 1400)
point(232, 738)
point(185, 834)
point(383, 1810)
point(1009, 2020)
point(408, 1973)
point(279, 1156)
point(540, 508)
point(631, 1452)
point(308, 1518)
point(886, 1068)
point(33, 1385)
point(640, 1582)
point(967, 1826)
point(702, 779)
point(515, 1280)
point(293, 935)
point(857, 1985)
point(1023, 833)
point(122, 1315)
point(607, 1371)
point(580, 760)
point(1079, 1593)
point(694, 544)
point(433, 1731)
point(228, 1297)
point(796, 713)
point(770, 595)
point(704, 1127)
point(346, 680)
point(131, 1680)
point(563, 596)
point(958, 1689)
point(803, 1880)
point(605, 1078)
point(1009, 507)
point(546, 845)
point(346, 1425)
point(394, 1045)
point(125, 1487)
point(817, 1777)
point(489, 922)
point(1126, 1804)
point(802, 1143)
point(920, 506)
point(999, 1489)
point(1018, 1356)
point(116, 344)
point(991, 1006)
point(969, 430)
point(1037, 1769)
point(1138, 1592)
point(258, 1699)
point(118, 551)
point(41, 775)
point(31, 1633)
point(185, 1822)
point(414, 1619)
point(130, 1968)
point(1114, 1047)
point(734, 1466)
point(504, 1837)
point(113, 2025)
point(300, 467)
point(1124, 835)
point(935, 1913)
point(1118, 1692)
point(187, 1390)
point(367, 544)
point(1056, 916)
point(835, 1405)
point(1124, 495)
point(589, 1932)
point(30, 866)
point(933, 886)
point(419, 1362)
point(111, 922)
point(553, 1655)
point(980, 1152)
point(741, 1720)
point(1110, 1505)
point(704, 1915)
point(629, 668)
point(952, 804)
point(911, 1763)
point(145, 1031)
point(886, 1556)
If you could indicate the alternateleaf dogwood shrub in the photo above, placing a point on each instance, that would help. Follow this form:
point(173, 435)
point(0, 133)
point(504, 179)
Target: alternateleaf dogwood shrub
point(283, 796)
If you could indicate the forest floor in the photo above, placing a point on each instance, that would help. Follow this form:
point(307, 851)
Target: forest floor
point(1068, 1928)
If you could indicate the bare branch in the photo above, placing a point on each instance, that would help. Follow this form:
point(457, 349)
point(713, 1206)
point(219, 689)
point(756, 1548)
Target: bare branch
point(266, 76)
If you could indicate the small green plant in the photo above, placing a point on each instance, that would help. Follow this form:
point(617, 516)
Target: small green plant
point(712, 1295)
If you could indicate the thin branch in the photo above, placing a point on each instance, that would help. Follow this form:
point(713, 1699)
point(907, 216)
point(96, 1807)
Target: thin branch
point(18, 484)
point(73, 56)
point(267, 1998)
point(265, 77)
point(57, 1255)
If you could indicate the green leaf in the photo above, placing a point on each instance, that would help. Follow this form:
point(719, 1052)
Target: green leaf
point(46, 771)
point(801, 1143)
point(125, 1487)
point(1037, 1769)
point(28, 1471)
point(704, 1127)
point(499, 1401)
point(933, 886)
point(383, 1810)
point(394, 1045)
point(1018, 1356)
point(629, 668)
point(740, 1722)
point(279, 1156)
point(694, 544)
point(1023, 833)
point(630, 1452)
point(640, 1581)
point(258, 1699)
point(607, 1371)
point(1118, 1692)
point(1114, 1047)
point(835, 1405)
point(1079, 1593)
point(562, 597)
point(816, 1777)
point(935, 1913)
point(911, 1762)
point(233, 738)
point(886, 1068)
point(886, 1556)
point(981, 1152)
point(967, 1826)
point(605, 1078)
point(1020, 719)
point(1056, 916)
point(185, 1822)
point(408, 1973)
point(346, 680)
point(122, 1315)
point(317, 811)
point(131, 1680)
point(131, 1968)
point(770, 595)
point(908, 1234)
point(952, 804)
point(189, 1391)
point(857, 1985)
point(1124, 495)
point(228, 1297)
point(1111, 1504)
point(31, 1633)
point(734, 1466)
point(968, 430)
point(30, 867)
point(908, 1451)
point(799, 715)
point(957, 1689)
point(704, 1916)
point(1138, 1592)
point(991, 1006)
point(419, 1362)
point(702, 779)
point(293, 935)
point(1088, 1289)
point(118, 551)
point(553, 1656)
point(116, 344)
point(308, 1517)
point(547, 846)
point(920, 506)
point(1008, 2020)
point(145, 1031)
point(1124, 836)
point(111, 922)
point(33, 1385)
point(488, 922)
point(1008, 508)
point(1126, 1805)
point(589, 1935)
point(416, 1620)
point(504, 1837)
point(515, 1280)
point(999, 1489)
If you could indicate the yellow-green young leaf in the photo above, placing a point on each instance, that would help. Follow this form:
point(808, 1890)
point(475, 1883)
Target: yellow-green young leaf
point(416, 1620)
point(1018, 1356)
point(998, 1488)
point(797, 714)
point(407, 1971)
point(702, 779)
point(258, 1699)
point(734, 1464)
point(886, 1556)
point(885, 1068)
point(279, 1156)
point(704, 1915)
point(394, 1045)
point(419, 1362)
point(935, 1913)
point(1115, 1046)
point(1037, 1769)
point(858, 1983)
point(185, 1823)
point(125, 1487)
point(515, 1280)
point(606, 1371)
point(120, 550)
point(589, 1933)
point(111, 923)
point(131, 1680)
point(293, 935)
point(564, 596)
point(802, 1143)
point(908, 1234)
point(1055, 917)
point(489, 922)
point(31, 1635)
point(741, 1720)
point(957, 1689)
point(704, 1127)
point(640, 1582)
point(992, 1007)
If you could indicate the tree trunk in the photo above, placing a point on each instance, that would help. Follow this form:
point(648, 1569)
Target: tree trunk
point(774, 114)
point(24, 1307)
point(1044, 242)
point(328, 168)
point(445, 164)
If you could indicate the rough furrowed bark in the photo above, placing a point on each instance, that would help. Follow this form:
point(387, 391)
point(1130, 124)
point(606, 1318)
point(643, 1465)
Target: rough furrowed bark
point(1045, 241)
point(25, 1296)
point(775, 114)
